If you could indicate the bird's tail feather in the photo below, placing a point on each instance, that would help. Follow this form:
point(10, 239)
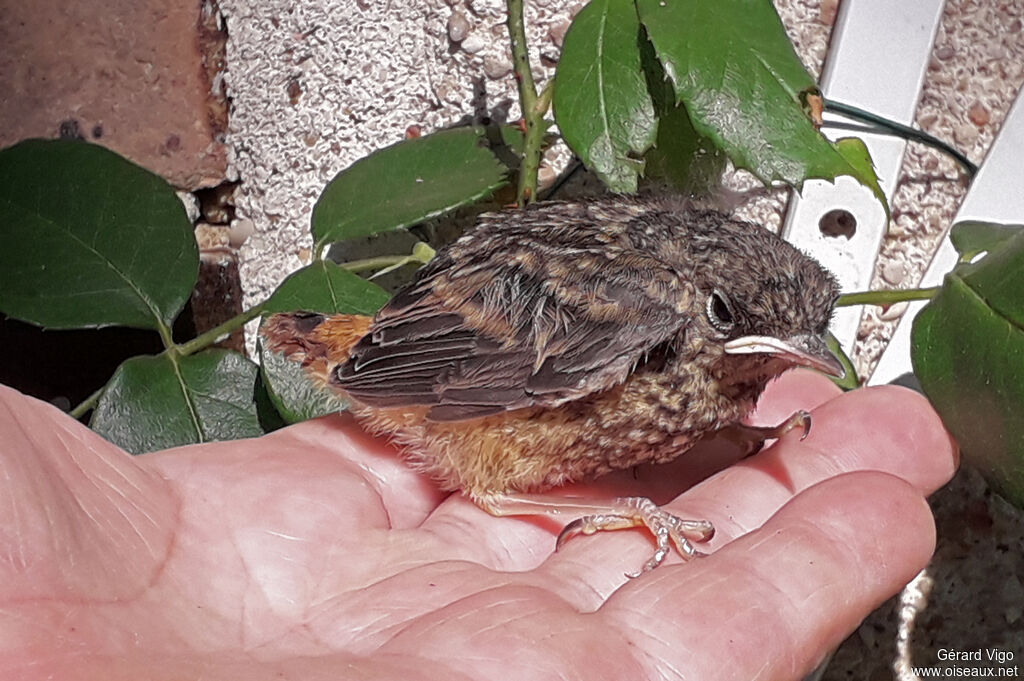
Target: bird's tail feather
point(319, 342)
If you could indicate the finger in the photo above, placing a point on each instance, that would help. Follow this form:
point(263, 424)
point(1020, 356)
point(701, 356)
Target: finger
point(771, 604)
point(79, 514)
point(886, 429)
point(792, 391)
point(520, 543)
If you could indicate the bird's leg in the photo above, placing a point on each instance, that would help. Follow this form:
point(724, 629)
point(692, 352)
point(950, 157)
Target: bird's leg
point(668, 530)
point(752, 438)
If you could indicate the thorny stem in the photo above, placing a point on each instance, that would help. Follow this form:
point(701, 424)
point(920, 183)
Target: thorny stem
point(904, 131)
point(533, 107)
point(887, 297)
point(884, 298)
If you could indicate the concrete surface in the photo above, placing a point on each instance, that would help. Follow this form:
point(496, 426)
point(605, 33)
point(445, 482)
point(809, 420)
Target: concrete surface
point(317, 84)
point(977, 68)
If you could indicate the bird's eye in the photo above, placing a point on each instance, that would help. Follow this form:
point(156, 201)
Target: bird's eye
point(720, 312)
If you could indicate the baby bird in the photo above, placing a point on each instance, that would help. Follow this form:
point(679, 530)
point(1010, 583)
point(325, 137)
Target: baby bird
point(567, 340)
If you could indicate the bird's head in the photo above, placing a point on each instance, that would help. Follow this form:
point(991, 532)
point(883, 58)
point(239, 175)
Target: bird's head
point(764, 303)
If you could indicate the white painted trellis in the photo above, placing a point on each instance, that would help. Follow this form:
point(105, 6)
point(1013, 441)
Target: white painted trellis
point(877, 60)
point(878, 57)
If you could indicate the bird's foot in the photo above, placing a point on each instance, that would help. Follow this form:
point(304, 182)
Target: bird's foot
point(621, 514)
point(752, 438)
point(668, 530)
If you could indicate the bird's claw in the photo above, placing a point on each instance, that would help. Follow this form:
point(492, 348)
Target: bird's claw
point(753, 437)
point(668, 530)
point(799, 419)
point(803, 420)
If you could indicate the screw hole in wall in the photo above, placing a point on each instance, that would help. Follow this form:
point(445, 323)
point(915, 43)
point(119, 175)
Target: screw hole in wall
point(838, 222)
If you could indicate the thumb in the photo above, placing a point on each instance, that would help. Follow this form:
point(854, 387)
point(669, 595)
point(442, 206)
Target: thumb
point(79, 515)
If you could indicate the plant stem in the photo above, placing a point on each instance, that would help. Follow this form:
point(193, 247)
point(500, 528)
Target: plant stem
point(543, 102)
point(210, 337)
point(196, 344)
point(532, 107)
point(904, 131)
point(887, 297)
point(166, 337)
point(421, 253)
point(380, 262)
point(87, 404)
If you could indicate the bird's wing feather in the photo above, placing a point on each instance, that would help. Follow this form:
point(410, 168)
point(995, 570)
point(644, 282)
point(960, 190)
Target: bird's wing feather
point(473, 338)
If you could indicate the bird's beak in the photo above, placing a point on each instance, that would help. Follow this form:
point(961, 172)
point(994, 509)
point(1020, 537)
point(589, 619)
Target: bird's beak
point(806, 350)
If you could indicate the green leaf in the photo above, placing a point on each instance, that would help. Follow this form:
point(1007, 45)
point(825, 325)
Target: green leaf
point(270, 419)
point(732, 66)
point(406, 183)
point(688, 162)
point(849, 380)
point(295, 395)
point(968, 353)
point(971, 238)
point(600, 99)
point(325, 287)
point(158, 402)
point(90, 239)
point(681, 158)
point(510, 136)
point(856, 154)
point(506, 142)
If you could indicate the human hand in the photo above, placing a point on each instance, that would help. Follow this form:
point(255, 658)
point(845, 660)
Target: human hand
point(314, 553)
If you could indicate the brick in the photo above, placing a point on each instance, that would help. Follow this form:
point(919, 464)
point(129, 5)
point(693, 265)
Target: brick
point(132, 75)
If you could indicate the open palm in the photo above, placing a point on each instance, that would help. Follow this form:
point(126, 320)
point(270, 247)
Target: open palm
point(315, 553)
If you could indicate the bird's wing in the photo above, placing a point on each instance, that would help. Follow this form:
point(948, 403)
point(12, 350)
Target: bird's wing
point(473, 339)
